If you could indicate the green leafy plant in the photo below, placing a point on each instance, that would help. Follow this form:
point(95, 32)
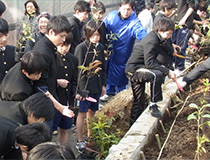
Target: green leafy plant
point(26, 36)
point(200, 113)
point(110, 38)
point(102, 133)
point(207, 85)
point(197, 115)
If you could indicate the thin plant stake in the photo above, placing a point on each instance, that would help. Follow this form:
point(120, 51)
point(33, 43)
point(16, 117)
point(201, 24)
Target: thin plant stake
point(158, 141)
point(142, 156)
point(161, 123)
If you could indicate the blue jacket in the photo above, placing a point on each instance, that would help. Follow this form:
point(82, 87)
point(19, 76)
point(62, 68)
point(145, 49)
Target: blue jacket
point(127, 30)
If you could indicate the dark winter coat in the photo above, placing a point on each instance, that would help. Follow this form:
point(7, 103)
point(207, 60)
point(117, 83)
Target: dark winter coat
point(145, 55)
point(13, 111)
point(30, 44)
point(98, 80)
point(76, 29)
point(16, 86)
point(67, 69)
point(49, 76)
point(182, 7)
point(8, 150)
point(7, 60)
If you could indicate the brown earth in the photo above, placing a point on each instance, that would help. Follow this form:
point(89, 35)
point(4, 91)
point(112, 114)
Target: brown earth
point(182, 140)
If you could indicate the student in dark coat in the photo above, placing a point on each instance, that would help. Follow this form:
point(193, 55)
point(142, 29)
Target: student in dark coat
point(18, 84)
point(88, 52)
point(82, 9)
point(36, 108)
point(67, 81)
point(97, 11)
point(8, 149)
point(184, 17)
point(57, 29)
point(7, 52)
point(15, 138)
point(143, 66)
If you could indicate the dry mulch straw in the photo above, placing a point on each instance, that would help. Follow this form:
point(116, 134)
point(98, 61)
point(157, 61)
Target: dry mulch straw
point(120, 106)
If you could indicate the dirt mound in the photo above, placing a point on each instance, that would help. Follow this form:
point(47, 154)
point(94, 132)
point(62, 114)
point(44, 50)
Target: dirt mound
point(120, 107)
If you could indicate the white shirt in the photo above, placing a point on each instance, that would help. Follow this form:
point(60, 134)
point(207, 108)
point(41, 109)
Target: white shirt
point(146, 19)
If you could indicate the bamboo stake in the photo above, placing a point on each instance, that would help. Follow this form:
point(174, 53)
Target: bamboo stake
point(158, 141)
point(142, 156)
point(161, 123)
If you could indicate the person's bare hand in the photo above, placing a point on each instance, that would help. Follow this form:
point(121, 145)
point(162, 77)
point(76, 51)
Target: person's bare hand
point(67, 112)
point(79, 97)
point(171, 74)
point(63, 82)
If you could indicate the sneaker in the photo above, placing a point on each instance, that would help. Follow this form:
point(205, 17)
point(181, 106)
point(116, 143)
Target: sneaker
point(81, 146)
point(155, 112)
point(104, 98)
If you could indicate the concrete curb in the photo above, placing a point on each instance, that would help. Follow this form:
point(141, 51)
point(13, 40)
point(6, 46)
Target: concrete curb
point(140, 132)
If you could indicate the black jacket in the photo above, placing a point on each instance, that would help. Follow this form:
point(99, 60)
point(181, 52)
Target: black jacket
point(76, 29)
point(16, 86)
point(145, 55)
point(8, 149)
point(49, 76)
point(13, 111)
point(30, 44)
point(7, 60)
point(182, 7)
point(67, 69)
point(96, 82)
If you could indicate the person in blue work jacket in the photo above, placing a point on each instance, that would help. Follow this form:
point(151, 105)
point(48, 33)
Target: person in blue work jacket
point(127, 27)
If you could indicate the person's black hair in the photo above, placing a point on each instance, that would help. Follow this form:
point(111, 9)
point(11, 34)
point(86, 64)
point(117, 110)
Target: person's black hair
point(163, 24)
point(39, 105)
point(33, 62)
point(130, 2)
point(150, 5)
point(98, 7)
point(4, 27)
point(2, 8)
point(32, 134)
point(157, 1)
point(35, 5)
point(58, 24)
point(44, 14)
point(82, 6)
point(167, 4)
point(90, 28)
point(51, 150)
point(69, 39)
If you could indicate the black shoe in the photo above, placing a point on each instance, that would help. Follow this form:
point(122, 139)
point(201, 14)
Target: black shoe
point(155, 112)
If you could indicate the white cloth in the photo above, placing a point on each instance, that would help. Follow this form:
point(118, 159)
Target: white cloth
point(146, 19)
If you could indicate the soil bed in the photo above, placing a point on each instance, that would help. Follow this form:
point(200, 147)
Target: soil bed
point(182, 141)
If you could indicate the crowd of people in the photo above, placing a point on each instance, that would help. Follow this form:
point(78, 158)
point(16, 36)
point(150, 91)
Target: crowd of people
point(62, 63)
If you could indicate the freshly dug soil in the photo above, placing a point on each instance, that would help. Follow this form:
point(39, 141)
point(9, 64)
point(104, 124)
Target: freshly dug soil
point(182, 141)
